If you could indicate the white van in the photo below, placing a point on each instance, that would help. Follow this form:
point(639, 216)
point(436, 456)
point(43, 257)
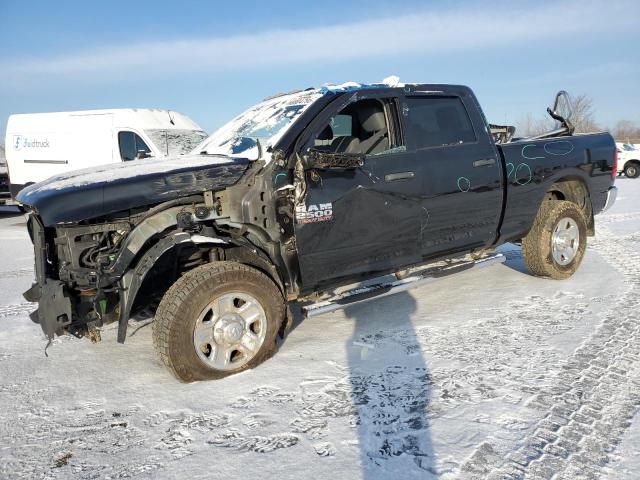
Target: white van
point(41, 145)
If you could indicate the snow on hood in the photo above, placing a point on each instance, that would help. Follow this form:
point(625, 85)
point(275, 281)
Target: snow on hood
point(119, 171)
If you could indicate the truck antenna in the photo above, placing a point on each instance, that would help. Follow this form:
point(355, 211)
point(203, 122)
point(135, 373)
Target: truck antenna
point(170, 117)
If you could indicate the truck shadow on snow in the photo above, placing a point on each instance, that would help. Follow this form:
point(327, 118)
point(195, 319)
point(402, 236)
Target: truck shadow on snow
point(390, 392)
point(514, 261)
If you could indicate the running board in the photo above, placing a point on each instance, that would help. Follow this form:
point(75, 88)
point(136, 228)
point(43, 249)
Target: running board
point(378, 290)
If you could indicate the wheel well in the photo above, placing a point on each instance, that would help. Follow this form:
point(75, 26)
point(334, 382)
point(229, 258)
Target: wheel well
point(634, 161)
point(165, 271)
point(182, 258)
point(575, 191)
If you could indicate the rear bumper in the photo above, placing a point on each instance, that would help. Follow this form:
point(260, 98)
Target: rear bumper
point(612, 194)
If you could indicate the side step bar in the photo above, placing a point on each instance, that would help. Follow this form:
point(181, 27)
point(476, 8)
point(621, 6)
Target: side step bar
point(383, 289)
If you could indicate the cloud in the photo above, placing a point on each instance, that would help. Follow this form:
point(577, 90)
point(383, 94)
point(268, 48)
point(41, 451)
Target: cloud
point(426, 33)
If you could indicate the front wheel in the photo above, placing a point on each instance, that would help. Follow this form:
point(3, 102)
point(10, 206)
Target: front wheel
point(556, 243)
point(216, 320)
point(632, 170)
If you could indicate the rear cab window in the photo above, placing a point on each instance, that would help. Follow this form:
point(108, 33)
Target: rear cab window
point(130, 144)
point(437, 122)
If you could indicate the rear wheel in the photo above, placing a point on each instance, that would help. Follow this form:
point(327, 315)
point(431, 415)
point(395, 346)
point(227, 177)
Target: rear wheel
point(632, 170)
point(556, 243)
point(216, 320)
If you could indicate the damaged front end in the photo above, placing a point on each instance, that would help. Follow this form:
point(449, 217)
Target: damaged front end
point(91, 231)
point(68, 263)
point(110, 269)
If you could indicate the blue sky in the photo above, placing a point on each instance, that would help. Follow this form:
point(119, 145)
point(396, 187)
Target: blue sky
point(210, 60)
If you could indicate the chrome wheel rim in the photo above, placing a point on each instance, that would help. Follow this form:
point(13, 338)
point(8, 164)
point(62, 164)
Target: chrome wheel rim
point(230, 331)
point(631, 171)
point(565, 241)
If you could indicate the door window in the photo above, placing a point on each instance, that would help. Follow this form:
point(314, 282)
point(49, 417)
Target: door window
point(130, 144)
point(436, 122)
point(361, 127)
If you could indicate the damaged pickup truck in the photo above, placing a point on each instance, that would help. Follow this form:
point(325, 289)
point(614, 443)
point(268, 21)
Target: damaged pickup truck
point(299, 195)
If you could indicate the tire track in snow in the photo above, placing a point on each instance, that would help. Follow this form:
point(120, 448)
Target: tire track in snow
point(591, 403)
point(17, 309)
point(22, 272)
point(607, 218)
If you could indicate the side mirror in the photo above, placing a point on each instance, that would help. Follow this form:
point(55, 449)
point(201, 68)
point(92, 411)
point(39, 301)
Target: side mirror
point(334, 161)
point(142, 154)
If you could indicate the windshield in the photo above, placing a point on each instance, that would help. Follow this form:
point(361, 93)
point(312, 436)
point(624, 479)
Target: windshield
point(267, 121)
point(175, 141)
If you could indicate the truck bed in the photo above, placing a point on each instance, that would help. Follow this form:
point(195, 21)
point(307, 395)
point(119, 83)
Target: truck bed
point(532, 166)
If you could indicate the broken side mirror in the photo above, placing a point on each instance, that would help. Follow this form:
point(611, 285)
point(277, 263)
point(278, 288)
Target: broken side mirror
point(561, 112)
point(334, 161)
point(561, 106)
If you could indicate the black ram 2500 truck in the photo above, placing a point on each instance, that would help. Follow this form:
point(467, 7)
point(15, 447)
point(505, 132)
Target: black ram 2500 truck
point(300, 194)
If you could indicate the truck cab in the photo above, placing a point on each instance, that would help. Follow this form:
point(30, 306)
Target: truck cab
point(431, 183)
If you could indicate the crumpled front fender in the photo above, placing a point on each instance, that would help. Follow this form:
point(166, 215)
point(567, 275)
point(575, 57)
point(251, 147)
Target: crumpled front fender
point(131, 281)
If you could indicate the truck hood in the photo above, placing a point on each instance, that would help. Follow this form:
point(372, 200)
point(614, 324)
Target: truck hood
point(94, 192)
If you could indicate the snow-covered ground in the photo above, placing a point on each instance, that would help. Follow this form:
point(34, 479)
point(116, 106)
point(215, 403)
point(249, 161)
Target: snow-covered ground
point(487, 374)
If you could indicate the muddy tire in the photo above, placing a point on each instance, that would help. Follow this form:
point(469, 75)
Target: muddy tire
point(555, 245)
point(632, 170)
point(217, 320)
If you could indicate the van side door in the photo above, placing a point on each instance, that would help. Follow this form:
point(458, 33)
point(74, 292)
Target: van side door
point(461, 168)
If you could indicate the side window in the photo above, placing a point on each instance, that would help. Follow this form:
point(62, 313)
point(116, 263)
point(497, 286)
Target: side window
point(140, 145)
point(340, 125)
point(435, 122)
point(127, 143)
point(130, 143)
point(361, 127)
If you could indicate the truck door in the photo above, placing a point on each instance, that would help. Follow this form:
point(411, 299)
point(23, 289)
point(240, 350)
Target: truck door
point(366, 219)
point(461, 169)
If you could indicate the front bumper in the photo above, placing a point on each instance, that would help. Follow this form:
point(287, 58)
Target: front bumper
point(54, 305)
point(612, 194)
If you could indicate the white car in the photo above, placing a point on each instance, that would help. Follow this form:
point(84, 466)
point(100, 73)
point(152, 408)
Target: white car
point(628, 160)
point(41, 145)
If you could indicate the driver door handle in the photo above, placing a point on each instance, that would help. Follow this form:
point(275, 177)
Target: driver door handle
point(391, 177)
point(485, 162)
